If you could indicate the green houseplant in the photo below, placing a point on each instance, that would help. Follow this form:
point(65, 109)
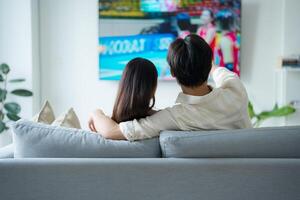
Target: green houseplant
point(258, 118)
point(9, 111)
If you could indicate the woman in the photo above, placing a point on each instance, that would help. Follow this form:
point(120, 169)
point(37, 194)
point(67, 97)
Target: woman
point(184, 25)
point(227, 42)
point(136, 94)
point(208, 30)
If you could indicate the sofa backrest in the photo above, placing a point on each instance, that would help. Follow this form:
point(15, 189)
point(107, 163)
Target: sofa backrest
point(278, 142)
point(39, 140)
point(36, 140)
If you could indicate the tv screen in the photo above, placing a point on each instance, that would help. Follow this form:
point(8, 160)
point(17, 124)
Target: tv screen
point(146, 28)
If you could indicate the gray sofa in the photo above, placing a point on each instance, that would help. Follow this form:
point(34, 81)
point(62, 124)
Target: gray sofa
point(54, 163)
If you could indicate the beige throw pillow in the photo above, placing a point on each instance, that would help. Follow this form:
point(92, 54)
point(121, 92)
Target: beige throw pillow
point(46, 114)
point(68, 119)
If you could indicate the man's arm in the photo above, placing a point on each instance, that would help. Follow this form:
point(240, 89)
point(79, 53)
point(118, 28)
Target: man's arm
point(229, 81)
point(149, 127)
point(224, 77)
point(232, 89)
point(105, 126)
point(132, 130)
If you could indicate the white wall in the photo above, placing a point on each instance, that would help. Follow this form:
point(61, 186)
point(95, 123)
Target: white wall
point(69, 58)
point(270, 29)
point(262, 44)
point(292, 28)
point(16, 46)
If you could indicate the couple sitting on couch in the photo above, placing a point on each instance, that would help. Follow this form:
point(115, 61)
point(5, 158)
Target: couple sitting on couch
point(198, 107)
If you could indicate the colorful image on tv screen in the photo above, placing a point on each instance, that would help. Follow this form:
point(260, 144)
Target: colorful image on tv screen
point(145, 28)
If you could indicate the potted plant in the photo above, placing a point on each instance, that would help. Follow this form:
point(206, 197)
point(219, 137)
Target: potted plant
point(9, 111)
point(258, 118)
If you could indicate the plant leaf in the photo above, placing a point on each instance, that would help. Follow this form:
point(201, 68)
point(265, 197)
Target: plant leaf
point(22, 92)
point(251, 111)
point(1, 78)
point(2, 95)
point(17, 80)
point(277, 112)
point(4, 68)
point(12, 107)
point(13, 117)
point(2, 126)
point(283, 111)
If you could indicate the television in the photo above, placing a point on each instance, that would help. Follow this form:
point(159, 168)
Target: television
point(146, 28)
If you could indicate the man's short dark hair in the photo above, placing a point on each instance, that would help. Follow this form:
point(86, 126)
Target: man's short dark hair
point(190, 60)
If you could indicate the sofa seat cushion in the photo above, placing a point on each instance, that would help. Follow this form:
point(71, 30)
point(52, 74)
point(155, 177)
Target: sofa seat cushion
point(33, 140)
point(279, 142)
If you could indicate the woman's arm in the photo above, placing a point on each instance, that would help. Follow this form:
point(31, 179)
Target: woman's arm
point(105, 126)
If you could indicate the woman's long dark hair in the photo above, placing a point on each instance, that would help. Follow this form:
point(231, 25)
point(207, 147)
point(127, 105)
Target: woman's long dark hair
point(136, 90)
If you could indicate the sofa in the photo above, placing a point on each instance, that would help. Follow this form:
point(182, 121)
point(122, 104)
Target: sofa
point(46, 163)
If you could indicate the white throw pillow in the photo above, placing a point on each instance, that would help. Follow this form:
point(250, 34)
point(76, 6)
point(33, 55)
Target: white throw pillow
point(68, 119)
point(46, 114)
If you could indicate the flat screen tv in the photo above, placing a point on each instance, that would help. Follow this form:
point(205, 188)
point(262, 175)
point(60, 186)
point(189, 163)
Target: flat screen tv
point(145, 28)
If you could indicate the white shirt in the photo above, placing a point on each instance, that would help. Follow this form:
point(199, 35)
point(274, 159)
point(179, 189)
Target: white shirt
point(225, 107)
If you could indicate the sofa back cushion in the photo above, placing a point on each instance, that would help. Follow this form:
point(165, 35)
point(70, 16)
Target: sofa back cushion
point(280, 142)
point(36, 140)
